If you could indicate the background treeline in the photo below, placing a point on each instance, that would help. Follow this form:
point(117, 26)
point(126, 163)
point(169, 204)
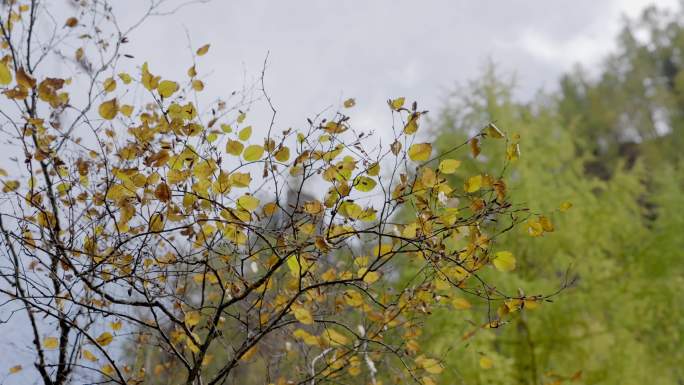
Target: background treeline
point(611, 142)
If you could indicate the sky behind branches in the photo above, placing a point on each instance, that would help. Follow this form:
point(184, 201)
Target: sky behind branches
point(322, 52)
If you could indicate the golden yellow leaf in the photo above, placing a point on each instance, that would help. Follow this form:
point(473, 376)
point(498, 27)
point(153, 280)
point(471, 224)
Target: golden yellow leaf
point(109, 109)
point(166, 88)
point(107, 369)
point(504, 261)
point(116, 325)
point(353, 298)
point(334, 338)
point(50, 343)
point(397, 103)
point(486, 362)
point(203, 50)
point(473, 184)
point(449, 166)
point(371, 277)
point(9, 186)
point(546, 224)
point(249, 354)
point(234, 147)
point(364, 183)
point(15, 369)
point(248, 202)
point(126, 110)
point(302, 314)
point(240, 179)
point(431, 365)
point(125, 78)
point(157, 222)
point(494, 132)
point(192, 318)
point(253, 153)
point(5, 74)
point(105, 339)
point(109, 85)
point(565, 206)
point(412, 125)
point(420, 152)
point(245, 133)
point(283, 154)
point(461, 303)
point(88, 355)
point(475, 147)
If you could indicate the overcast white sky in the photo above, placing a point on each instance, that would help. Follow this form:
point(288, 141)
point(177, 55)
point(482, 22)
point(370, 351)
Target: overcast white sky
point(322, 52)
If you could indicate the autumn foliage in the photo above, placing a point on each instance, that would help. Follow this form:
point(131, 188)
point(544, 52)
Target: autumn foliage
point(136, 217)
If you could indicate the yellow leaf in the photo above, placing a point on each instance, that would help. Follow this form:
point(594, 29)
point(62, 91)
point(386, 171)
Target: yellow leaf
point(109, 85)
point(494, 132)
point(475, 147)
point(192, 318)
point(253, 153)
point(157, 222)
point(248, 202)
point(234, 147)
point(249, 354)
point(245, 133)
point(126, 78)
point(513, 151)
point(88, 355)
point(364, 183)
point(546, 224)
point(412, 125)
point(5, 74)
point(374, 169)
point(565, 206)
point(203, 50)
point(50, 343)
point(349, 103)
point(350, 210)
point(15, 369)
point(461, 303)
point(431, 365)
point(104, 339)
point(166, 88)
point(148, 80)
point(302, 314)
point(313, 207)
point(504, 261)
point(397, 103)
point(107, 369)
point(126, 109)
point(283, 154)
point(353, 298)
point(449, 166)
point(334, 338)
point(473, 184)
point(197, 85)
point(240, 179)
point(420, 152)
point(534, 228)
point(486, 362)
point(116, 325)
point(371, 277)
point(293, 265)
point(109, 109)
point(9, 186)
